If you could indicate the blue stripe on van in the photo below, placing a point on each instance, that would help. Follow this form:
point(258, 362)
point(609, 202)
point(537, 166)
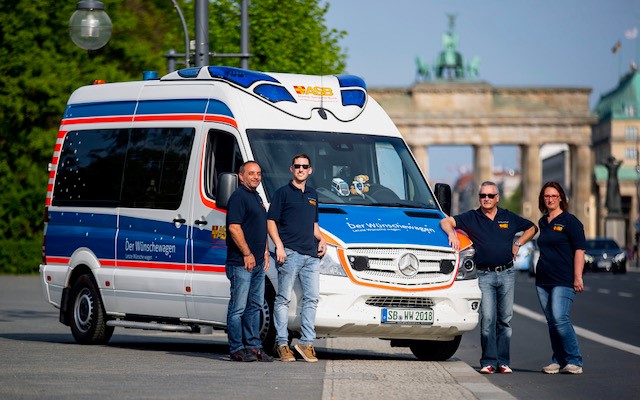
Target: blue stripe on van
point(148, 107)
point(219, 108)
point(148, 240)
point(172, 106)
point(68, 231)
point(84, 110)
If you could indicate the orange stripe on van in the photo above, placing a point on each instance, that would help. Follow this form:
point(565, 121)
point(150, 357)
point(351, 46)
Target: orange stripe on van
point(222, 119)
point(95, 120)
point(151, 265)
point(209, 268)
point(163, 117)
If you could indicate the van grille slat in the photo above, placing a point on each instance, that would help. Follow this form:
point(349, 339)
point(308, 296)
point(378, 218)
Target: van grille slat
point(383, 265)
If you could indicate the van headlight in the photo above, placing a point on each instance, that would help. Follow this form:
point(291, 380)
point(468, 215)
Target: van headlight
point(588, 258)
point(467, 269)
point(330, 263)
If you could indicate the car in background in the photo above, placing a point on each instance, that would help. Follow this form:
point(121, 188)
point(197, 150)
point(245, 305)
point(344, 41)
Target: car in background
point(527, 257)
point(604, 254)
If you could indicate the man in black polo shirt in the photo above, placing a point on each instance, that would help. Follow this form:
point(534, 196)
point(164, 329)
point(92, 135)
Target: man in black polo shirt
point(293, 226)
point(247, 261)
point(492, 231)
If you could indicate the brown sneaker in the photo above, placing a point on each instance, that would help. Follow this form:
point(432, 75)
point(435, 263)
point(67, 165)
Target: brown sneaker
point(307, 352)
point(285, 353)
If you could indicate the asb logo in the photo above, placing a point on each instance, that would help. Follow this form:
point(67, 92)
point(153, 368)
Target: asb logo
point(314, 90)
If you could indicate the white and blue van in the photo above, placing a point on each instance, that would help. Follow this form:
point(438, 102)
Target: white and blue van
point(135, 218)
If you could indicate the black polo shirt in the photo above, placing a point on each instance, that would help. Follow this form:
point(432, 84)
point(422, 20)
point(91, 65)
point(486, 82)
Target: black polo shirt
point(558, 242)
point(295, 212)
point(492, 239)
point(246, 208)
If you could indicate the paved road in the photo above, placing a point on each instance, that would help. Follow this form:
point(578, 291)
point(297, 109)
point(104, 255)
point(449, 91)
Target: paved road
point(608, 330)
point(39, 359)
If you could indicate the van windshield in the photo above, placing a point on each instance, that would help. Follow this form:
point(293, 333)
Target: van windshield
point(347, 168)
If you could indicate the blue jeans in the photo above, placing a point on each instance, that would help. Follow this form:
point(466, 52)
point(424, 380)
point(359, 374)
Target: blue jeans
point(496, 311)
point(556, 303)
point(305, 268)
point(245, 305)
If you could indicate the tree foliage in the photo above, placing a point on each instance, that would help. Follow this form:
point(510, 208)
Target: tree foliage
point(41, 67)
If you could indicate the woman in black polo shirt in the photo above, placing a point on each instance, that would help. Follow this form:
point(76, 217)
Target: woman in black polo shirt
point(559, 276)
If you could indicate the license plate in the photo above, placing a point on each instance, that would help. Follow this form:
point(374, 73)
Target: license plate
point(407, 316)
point(604, 264)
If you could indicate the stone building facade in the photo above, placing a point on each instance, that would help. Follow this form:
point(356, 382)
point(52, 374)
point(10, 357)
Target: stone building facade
point(460, 112)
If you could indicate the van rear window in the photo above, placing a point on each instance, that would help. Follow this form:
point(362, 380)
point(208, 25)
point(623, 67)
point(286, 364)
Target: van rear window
point(139, 168)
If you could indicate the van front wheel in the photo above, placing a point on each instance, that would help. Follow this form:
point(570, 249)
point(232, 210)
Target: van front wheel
point(87, 316)
point(433, 350)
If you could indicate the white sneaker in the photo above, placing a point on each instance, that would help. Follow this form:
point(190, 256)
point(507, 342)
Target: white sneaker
point(552, 368)
point(571, 369)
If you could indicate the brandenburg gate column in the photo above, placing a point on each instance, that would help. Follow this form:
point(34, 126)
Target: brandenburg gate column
point(531, 181)
point(482, 165)
point(580, 157)
point(422, 158)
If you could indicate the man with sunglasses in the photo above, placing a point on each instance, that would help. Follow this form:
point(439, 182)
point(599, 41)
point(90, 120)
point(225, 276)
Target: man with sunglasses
point(292, 223)
point(492, 230)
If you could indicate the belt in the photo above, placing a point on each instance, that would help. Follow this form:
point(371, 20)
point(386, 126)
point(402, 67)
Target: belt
point(497, 268)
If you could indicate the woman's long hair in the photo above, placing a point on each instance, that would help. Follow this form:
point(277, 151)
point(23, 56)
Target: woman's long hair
point(564, 204)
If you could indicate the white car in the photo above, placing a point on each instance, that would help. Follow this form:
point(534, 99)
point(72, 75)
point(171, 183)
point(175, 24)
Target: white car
point(527, 257)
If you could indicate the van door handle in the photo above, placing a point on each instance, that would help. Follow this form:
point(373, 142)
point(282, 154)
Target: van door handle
point(199, 222)
point(179, 220)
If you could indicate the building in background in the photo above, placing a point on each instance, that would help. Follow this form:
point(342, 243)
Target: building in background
point(616, 134)
point(450, 105)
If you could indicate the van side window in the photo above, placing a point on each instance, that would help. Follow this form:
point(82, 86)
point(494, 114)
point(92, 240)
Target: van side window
point(90, 168)
point(142, 168)
point(156, 167)
point(222, 155)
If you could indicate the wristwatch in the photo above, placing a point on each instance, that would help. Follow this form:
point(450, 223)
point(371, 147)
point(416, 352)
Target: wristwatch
point(517, 243)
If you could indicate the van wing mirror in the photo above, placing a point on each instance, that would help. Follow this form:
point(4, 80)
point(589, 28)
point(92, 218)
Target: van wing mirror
point(227, 184)
point(443, 194)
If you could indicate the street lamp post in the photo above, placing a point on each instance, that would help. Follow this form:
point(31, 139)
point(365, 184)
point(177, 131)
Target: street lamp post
point(90, 26)
point(90, 29)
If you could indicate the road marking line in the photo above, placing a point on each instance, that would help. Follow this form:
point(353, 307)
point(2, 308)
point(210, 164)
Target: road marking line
point(604, 291)
point(596, 337)
point(625, 294)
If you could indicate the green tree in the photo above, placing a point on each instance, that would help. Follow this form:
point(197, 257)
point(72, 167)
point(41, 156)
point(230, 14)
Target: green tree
point(41, 67)
point(514, 202)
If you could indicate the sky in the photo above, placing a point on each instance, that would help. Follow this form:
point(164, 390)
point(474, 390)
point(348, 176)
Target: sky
point(540, 43)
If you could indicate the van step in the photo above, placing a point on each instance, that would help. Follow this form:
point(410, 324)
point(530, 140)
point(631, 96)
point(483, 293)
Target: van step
point(150, 326)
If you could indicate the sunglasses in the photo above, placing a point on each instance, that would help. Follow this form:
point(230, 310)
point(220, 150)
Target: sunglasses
point(298, 166)
point(489, 195)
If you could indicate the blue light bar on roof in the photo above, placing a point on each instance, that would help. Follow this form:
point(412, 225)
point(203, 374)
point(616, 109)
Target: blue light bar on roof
point(189, 72)
point(350, 81)
point(238, 76)
point(274, 93)
point(354, 97)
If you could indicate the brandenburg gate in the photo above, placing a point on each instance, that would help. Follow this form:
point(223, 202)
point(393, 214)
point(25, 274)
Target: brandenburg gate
point(448, 105)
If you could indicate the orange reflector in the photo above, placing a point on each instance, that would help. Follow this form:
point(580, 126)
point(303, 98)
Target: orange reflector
point(99, 82)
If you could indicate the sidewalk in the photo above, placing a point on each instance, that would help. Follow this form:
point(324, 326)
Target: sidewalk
point(361, 368)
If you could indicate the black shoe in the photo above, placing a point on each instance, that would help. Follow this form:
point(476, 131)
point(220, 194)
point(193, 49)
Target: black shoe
point(261, 355)
point(243, 355)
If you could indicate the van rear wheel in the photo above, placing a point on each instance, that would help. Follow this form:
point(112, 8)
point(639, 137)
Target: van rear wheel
point(87, 315)
point(434, 350)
